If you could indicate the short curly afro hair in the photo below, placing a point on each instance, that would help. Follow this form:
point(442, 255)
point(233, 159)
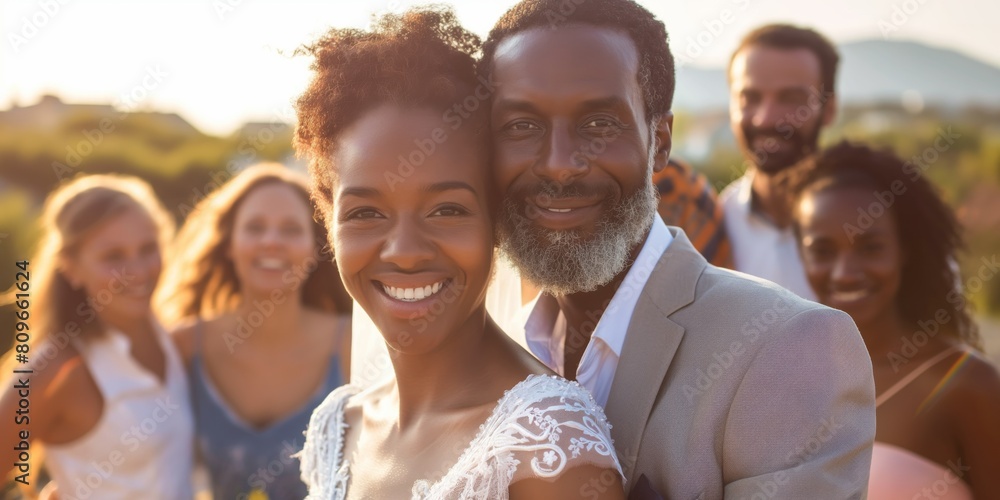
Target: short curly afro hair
point(421, 58)
point(656, 63)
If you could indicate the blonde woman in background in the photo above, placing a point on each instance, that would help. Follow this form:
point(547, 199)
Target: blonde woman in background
point(107, 396)
point(263, 323)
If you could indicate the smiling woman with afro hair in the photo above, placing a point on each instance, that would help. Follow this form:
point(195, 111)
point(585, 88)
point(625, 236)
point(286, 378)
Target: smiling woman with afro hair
point(394, 125)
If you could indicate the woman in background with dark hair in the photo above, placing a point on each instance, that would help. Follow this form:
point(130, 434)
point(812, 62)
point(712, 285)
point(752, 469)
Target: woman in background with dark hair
point(265, 328)
point(879, 243)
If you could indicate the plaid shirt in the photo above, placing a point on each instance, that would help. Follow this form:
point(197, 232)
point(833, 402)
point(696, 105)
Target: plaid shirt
point(688, 201)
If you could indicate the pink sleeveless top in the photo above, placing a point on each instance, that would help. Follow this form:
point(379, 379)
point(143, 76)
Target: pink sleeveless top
point(900, 474)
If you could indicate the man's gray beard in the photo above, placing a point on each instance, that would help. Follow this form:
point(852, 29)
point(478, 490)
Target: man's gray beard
point(569, 264)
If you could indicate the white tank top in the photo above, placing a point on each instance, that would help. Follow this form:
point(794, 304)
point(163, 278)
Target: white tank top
point(142, 445)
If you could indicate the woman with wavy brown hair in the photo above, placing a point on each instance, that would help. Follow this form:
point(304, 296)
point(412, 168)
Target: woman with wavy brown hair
point(262, 320)
point(104, 388)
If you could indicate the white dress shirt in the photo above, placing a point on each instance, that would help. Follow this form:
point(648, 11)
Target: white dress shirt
point(544, 332)
point(759, 247)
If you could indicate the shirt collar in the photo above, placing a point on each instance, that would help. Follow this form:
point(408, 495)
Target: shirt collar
point(745, 203)
point(744, 192)
point(614, 322)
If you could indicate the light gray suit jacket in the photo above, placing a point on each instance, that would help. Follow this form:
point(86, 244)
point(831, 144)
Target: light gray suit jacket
point(731, 386)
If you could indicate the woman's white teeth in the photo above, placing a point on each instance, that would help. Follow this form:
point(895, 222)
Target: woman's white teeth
point(850, 296)
point(413, 294)
point(271, 263)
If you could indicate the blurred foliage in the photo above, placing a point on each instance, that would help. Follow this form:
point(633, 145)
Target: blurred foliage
point(177, 161)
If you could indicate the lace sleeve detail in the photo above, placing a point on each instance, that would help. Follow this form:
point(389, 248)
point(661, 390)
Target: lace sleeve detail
point(555, 425)
point(322, 453)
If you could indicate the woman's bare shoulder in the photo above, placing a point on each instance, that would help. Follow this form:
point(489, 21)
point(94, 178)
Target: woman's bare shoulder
point(973, 382)
point(184, 336)
point(59, 379)
point(967, 395)
point(202, 334)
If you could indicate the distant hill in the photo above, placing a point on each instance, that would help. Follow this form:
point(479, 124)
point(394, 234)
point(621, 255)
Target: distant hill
point(874, 71)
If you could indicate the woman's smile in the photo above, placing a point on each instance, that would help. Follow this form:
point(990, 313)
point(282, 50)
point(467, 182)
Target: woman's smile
point(413, 293)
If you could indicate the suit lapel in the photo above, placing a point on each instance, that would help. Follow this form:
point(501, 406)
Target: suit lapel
point(651, 341)
point(650, 345)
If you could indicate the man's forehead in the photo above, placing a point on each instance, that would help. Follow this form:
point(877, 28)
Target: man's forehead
point(761, 65)
point(582, 46)
point(568, 63)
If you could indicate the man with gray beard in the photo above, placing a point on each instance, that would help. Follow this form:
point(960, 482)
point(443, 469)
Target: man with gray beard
point(568, 263)
point(716, 384)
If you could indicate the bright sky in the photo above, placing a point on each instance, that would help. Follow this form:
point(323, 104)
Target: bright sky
point(217, 62)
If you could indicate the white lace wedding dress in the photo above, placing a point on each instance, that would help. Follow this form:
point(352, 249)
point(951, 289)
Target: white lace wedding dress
point(542, 427)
